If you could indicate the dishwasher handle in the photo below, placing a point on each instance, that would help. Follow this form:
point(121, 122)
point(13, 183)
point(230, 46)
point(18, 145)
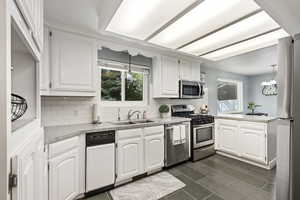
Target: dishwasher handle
point(100, 138)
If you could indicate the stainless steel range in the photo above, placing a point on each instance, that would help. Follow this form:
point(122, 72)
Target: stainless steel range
point(202, 131)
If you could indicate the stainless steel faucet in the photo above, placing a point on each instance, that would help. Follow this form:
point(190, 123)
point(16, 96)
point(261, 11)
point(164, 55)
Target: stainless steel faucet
point(131, 113)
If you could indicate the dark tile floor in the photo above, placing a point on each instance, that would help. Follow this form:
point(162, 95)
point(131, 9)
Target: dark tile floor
point(219, 178)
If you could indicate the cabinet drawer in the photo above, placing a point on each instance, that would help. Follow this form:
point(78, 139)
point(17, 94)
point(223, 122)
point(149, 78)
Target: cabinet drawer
point(129, 133)
point(154, 130)
point(63, 146)
point(255, 126)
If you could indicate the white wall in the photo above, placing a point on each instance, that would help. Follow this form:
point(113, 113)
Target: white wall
point(269, 103)
point(211, 83)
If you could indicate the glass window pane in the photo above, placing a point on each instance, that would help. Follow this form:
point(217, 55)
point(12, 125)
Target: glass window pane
point(134, 87)
point(227, 91)
point(111, 85)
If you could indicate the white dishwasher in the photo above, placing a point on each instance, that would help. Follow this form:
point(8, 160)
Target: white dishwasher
point(100, 161)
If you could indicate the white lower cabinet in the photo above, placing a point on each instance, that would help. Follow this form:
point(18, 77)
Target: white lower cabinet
point(64, 176)
point(130, 156)
point(139, 151)
point(29, 166)
point(253, 144)
point(154, 150)
point(249, 141)
point(229, 137)
point(65, 169)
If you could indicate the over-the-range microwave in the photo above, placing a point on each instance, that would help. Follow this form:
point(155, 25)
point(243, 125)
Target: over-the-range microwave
point(191, 89)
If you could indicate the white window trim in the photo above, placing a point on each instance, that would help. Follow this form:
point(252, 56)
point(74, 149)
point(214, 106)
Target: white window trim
point(240, 88)
point(124, 103)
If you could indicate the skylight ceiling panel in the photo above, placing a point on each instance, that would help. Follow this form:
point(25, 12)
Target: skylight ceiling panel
point(247, 28)
point(141, 18)
point(203, 19)
point(247, 46)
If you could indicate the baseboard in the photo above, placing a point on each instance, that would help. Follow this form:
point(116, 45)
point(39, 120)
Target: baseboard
point(247, 161)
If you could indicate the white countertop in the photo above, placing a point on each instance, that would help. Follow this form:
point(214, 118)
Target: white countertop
point(242, 117)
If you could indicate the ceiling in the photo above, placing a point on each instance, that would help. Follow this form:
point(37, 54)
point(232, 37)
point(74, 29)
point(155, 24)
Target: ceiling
point(252, 63)
point(242, 21)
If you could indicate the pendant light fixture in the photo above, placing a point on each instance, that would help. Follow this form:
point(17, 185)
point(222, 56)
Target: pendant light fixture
point(129, 74)
point(270, 87)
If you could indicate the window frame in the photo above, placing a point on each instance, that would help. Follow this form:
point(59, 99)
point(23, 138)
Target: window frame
point(123, 102)
point(240, 95)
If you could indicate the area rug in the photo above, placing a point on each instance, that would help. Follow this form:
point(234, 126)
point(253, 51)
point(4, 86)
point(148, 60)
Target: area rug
point(150, 188)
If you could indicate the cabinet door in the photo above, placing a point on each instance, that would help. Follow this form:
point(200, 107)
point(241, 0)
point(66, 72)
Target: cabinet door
point(189, 70)
point(28, 178)
point(73, 62)
point(228, 138)
point(39, 23)
point(41, 172)
point(129, 158)
point(27, 8)
point(64, 176)
point(253, 144)
point(45, 67)
point(170, 77)
point(186, 70)
point(154, 152)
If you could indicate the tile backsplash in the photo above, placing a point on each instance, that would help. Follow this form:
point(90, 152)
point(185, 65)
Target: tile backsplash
point(78, 110)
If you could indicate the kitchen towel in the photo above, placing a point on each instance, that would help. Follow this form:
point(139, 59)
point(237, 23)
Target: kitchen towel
point(176, 135)
point(182, 134)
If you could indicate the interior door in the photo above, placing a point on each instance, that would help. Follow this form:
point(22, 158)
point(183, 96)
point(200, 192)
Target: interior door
point(253, 144)
point(170, 76)
point(130, 158)
point(154, 152)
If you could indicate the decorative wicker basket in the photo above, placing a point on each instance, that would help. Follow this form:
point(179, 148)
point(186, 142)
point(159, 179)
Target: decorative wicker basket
point(18, 107)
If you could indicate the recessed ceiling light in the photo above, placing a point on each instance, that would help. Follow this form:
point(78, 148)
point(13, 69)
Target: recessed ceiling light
point(204, 18)
point(139, 19)
point(247, 28)
point(247, 46)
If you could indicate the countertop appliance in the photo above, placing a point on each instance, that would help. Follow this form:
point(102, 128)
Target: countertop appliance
point(177, 148)
point(191, 89)
point(202, 131)
point(100, 161)
point(288, 137)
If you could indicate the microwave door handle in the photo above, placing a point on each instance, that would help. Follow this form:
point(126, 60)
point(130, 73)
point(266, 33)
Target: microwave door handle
point(200, 89)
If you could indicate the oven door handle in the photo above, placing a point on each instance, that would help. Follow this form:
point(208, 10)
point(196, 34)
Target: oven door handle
point(204, 126)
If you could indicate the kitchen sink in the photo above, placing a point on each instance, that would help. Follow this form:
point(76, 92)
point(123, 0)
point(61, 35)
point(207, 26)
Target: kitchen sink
point(142, 121)
point(132, 122)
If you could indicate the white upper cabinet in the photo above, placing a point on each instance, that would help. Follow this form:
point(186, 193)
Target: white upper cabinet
point(189, 70)
point(70, 63)
point(33, 13)
point(38, 32)
point(167, 71)
point(169, 76)
point(166, 77)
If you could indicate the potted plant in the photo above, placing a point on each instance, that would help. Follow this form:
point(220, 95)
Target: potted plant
point(252, 106)
point(164, 110)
